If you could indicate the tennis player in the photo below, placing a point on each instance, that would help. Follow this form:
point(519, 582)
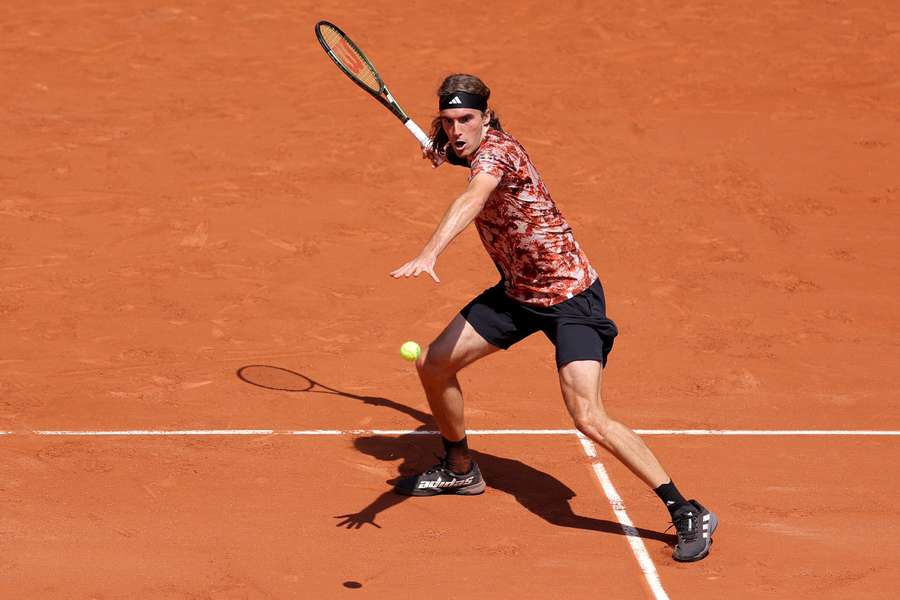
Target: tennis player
point(546, 284)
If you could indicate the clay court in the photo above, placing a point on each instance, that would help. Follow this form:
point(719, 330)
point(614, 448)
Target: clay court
point(198, 215)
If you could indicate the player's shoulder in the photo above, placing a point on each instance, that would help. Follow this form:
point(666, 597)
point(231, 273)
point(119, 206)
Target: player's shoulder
point(497, 142)
point(502, 139)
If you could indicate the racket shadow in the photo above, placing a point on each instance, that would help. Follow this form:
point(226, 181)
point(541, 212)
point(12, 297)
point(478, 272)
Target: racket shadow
point(285, 380)
point(538, 492)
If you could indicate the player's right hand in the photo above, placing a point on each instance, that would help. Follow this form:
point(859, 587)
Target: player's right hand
point(436, 158)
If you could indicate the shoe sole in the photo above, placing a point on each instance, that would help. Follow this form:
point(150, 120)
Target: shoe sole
point(713, 524)
point(469, 490)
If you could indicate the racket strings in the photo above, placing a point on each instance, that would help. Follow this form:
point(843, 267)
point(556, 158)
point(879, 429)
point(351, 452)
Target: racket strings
point(350, 58)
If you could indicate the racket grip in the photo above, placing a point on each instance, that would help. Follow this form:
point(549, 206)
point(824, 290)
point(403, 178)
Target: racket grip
point(414, 129)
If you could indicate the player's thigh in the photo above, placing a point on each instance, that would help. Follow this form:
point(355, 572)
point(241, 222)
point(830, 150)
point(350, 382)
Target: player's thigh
point(457, 346)
point(580, 382)
point(580, 356)
point(490, 322)
point(497, 319)
point(579, 327)
point(577, 340)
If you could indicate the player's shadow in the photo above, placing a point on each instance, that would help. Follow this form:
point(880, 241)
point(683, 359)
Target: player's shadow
point(537, 491)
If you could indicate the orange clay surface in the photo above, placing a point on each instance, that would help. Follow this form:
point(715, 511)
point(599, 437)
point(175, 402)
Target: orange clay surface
point(186, 191)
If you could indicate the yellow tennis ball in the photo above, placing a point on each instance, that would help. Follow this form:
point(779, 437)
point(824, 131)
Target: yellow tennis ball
point(410, 351)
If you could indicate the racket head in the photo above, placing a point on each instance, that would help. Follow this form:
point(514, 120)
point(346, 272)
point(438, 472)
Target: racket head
point(349, 58)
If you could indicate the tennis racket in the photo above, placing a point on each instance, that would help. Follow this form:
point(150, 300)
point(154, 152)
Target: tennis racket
point(351, 60)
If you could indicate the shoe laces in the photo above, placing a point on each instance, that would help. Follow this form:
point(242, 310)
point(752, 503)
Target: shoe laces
point(687, 526)
point(442, 464)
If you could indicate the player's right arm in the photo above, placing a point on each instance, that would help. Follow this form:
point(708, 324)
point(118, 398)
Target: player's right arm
point(461, 212)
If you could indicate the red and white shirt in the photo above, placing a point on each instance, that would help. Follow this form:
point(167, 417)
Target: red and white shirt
point(523, 231)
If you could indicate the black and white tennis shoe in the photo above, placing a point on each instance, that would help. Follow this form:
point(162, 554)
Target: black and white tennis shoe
point(439, 479)
point(694, 527)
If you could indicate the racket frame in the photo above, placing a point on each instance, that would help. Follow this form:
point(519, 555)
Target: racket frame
point(383, 95)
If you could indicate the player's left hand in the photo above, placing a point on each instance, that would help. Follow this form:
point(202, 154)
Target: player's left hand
point(415, 267)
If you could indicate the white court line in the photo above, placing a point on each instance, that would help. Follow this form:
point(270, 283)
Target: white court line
point(359, 432)
point(154, 432)
point(767, 432)
point(631, 534)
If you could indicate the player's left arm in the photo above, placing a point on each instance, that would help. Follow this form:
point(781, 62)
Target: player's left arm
point(462, 211)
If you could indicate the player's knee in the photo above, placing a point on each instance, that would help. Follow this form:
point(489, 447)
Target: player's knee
point(433, 364)
point(423, 364)
point(593, 425)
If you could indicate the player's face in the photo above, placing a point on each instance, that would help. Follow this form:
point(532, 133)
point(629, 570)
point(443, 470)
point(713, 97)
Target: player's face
point(465, 127)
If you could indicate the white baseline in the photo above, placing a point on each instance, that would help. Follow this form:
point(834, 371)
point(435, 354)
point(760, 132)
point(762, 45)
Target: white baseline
point(361, 432)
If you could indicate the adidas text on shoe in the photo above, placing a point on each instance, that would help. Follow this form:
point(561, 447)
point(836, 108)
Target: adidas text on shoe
point(439, 479)
point(694, 527)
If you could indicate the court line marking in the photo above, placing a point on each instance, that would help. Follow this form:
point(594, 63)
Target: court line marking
point(358, 432)
point(631, 534)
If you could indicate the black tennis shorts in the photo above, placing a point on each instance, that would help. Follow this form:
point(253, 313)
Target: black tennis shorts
point(577, 327)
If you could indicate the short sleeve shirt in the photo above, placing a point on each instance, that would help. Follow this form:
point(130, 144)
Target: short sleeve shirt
point(523, 231)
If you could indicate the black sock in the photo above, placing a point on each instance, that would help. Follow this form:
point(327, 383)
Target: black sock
point(458, 455)
point(671, 497)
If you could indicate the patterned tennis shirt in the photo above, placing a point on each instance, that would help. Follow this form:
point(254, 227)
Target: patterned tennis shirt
point(523, 231)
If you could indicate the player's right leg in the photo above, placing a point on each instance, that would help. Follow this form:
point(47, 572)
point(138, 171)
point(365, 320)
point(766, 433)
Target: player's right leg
point(458, 346)
point(490, 322)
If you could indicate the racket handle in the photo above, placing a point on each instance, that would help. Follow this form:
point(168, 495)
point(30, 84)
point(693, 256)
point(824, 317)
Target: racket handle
point(414, 129)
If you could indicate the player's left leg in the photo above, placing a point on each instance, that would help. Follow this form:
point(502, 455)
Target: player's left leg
point(580, 383)
point(584, 337)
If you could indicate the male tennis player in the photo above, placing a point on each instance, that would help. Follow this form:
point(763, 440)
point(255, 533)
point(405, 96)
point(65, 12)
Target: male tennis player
point(546, 284)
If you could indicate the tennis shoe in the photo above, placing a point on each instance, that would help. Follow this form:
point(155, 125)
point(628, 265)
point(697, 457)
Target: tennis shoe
point(439, 479)
point(694, 527)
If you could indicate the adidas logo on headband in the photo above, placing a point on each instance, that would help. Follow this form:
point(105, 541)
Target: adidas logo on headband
point(461, 99)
